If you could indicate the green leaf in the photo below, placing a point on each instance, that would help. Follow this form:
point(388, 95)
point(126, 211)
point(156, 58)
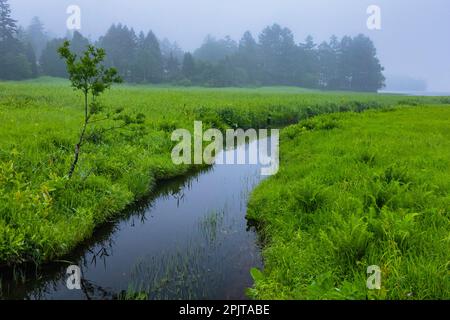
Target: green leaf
point(256, 274)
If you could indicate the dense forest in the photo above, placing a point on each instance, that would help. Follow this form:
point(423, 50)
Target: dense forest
point(274, 58)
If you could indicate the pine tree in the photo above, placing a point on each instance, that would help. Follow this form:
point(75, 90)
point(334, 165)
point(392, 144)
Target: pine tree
point(50, 62)
point(31, 57)
point(8, 27)
point(309, 62)
point(279, 55)
point(14, 64)
point(155, 63)
point(170, 48)
point(78, 43)
point(366, 70)
point(120, 44)
point(35, 35)
point(213, 50)
point(148, 59)
point(249, 57)
point(188, 68)
point(172, 68)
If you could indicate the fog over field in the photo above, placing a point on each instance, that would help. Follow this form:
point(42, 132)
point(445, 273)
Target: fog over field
point(413, 40)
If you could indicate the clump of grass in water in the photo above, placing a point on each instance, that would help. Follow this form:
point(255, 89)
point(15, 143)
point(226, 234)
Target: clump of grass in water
point(180, 275)
point(211, 224)
point(192, 272)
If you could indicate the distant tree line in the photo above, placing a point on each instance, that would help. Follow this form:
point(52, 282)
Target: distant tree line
point(17, 57)
point(275, 58)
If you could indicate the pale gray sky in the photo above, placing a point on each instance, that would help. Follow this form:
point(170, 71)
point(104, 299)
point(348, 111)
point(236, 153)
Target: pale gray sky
point(414, 39)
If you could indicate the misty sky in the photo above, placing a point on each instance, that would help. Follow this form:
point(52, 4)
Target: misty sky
point(414, 40)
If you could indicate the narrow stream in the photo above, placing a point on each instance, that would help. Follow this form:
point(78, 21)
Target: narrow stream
point(191, 240)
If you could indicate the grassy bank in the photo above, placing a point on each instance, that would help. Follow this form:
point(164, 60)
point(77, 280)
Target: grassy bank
point(356, 190)
point(43, 215)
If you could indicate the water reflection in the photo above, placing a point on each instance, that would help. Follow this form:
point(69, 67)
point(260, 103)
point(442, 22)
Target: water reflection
point(190, 240)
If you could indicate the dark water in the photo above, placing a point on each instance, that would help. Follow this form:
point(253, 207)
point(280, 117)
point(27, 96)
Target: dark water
point(190, 241)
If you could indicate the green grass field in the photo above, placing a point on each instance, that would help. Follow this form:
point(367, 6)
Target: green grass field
point(356, 190)
point(43, 215)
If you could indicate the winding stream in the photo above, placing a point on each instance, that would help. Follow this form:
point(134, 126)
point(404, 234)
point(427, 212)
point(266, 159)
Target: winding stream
point(191, 240)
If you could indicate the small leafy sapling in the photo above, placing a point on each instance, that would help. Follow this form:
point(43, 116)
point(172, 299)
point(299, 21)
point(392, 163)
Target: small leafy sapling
point(88, 75)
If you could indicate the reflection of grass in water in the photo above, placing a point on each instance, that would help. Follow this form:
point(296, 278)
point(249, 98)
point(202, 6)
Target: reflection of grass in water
point(197, 270)
point(193, 272)
point(181, 275)
point(211, 225)
point(248, 184)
